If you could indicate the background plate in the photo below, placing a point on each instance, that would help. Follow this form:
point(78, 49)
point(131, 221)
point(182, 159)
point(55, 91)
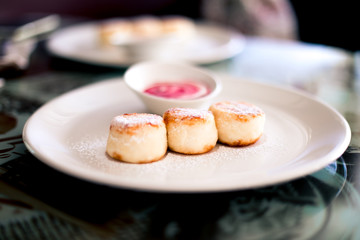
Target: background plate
point(301, 136)
point(210, 44)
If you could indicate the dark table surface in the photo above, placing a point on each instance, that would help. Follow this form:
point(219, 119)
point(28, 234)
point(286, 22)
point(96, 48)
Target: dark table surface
point(39, 202)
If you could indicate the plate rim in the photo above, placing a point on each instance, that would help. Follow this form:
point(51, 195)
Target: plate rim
point(339, 150)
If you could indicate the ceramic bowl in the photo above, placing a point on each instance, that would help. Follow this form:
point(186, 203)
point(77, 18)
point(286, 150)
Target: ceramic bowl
point(142, 75)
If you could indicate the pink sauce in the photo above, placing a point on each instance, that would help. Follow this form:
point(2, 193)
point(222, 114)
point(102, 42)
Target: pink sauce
point(178, 90)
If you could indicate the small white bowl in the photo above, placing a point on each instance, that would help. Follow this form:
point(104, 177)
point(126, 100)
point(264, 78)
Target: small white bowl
point(142, 75)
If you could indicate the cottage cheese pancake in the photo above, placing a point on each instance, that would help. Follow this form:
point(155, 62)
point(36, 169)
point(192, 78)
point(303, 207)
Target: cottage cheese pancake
point(137, 138)
point(190, 131)
point(238, 123)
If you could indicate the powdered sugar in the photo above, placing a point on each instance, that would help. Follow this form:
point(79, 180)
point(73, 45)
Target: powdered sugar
point(181, 113)
point(240, 108)
point(223, 165)
point(175, 167)
point(136, 119)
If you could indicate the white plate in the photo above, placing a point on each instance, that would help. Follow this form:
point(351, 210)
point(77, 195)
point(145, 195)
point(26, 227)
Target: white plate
point(210, 44)
point(301, 136)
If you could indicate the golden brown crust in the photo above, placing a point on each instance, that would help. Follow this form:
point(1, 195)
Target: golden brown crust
point(241, 143)
point(150, 161)
point(130, 123)
point(241, 111)
point(187, 116)
point(205, 149)
point(116, 155)
point(119, 157)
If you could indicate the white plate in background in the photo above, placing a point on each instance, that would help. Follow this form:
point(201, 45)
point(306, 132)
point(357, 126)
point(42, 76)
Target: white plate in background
point(81, 43)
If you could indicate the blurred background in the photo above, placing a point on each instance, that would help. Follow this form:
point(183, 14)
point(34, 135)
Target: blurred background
point(323, 22)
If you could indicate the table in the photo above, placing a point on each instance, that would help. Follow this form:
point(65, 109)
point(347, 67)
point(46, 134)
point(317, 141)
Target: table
point(38, 202)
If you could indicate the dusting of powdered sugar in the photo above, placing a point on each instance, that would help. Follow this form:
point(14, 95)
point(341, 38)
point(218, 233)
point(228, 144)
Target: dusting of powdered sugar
point(136, 119)
point(241, 108)
point(181, 113)
point(276, 147)
point(91, 151)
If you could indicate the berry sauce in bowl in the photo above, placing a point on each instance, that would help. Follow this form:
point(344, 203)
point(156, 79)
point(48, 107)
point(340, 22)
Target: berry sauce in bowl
point(164, 85)
point(178, 90)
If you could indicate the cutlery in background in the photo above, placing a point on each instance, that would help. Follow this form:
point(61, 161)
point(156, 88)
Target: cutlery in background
point(16, 45)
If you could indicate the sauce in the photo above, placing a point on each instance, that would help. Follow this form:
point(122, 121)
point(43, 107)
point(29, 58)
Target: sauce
point(178, 90)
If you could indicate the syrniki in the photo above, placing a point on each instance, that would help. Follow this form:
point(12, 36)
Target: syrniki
point(137, 138)
point(238, 123)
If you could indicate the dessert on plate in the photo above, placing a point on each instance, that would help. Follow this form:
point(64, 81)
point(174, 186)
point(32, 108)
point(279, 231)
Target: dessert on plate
point(190, 131)
point(238, 123)
point(137, 138)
